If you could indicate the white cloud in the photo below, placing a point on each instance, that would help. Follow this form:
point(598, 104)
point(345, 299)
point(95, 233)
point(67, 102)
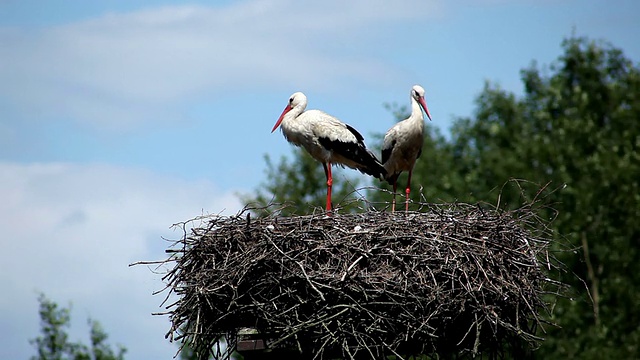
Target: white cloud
point(123, 69)
point(70, 231)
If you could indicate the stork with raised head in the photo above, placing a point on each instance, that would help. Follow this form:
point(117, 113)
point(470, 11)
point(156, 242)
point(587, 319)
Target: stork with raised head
point(402, 144)
point(327, 139)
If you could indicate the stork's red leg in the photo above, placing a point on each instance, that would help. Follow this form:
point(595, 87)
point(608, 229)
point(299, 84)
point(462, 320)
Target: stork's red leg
point(408, 191)
point(393, 202)
point(327, 172)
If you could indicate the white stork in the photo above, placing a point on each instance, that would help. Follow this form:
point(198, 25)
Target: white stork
point(402, 144)
point(327, 139)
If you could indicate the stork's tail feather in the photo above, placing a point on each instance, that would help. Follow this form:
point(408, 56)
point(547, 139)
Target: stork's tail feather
point(370, 165)
point(391, 178)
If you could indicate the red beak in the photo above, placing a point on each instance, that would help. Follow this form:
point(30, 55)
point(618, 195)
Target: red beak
point(424, 106)
point(284, 112)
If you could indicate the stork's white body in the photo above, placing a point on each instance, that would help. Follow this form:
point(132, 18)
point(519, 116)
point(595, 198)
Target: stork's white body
point(405, 141)
point(402, 144)
point(327, 139)
point(307, 128)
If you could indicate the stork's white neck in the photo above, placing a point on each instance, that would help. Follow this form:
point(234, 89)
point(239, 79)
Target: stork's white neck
point(416, 111)
point(297, 110)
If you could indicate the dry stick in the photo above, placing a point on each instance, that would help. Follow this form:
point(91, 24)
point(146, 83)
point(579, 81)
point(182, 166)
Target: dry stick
point(393, 351)
point(592, 276)
point(309, 280)
point(476, 343)
point(350, 267)
point(301, 326)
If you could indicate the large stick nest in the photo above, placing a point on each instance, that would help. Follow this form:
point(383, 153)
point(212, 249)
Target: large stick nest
point(455, 280)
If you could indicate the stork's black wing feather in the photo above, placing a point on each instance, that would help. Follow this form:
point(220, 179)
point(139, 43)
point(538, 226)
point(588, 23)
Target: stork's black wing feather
point(355, 133)
point(341, 147)
point(356, 152)
point(386, 152)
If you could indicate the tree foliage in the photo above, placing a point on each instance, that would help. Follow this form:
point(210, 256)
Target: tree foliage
point(577, 124)
point(54, 344)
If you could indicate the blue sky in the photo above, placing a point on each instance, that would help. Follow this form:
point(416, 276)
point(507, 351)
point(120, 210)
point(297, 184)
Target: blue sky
point(120, 118)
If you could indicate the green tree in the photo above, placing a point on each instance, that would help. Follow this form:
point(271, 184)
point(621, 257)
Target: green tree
point(53, 342)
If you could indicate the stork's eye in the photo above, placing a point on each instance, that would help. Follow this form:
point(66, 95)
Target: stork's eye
point(415, 93)
point(290, 100)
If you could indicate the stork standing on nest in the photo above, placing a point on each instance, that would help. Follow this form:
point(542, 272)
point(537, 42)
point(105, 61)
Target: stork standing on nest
point(327, 139)
point(402, 144)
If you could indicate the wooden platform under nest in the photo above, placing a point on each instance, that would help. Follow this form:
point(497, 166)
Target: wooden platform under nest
point(454, 280)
